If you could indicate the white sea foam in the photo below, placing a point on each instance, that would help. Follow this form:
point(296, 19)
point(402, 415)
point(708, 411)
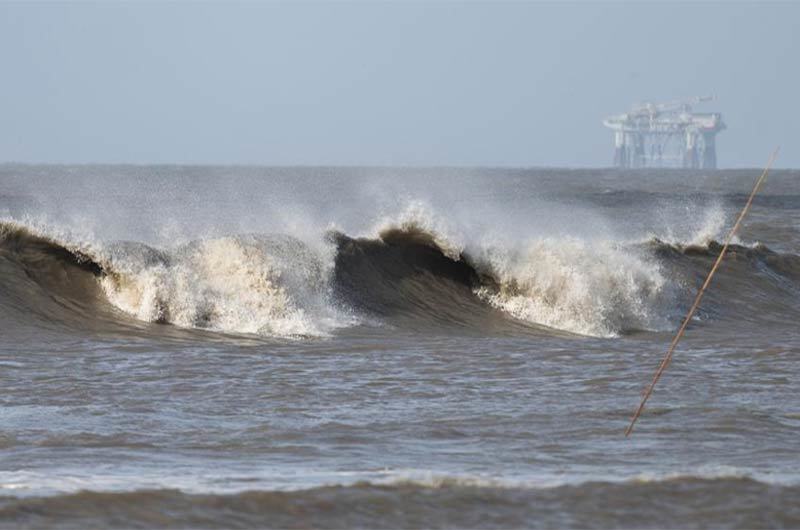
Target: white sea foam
point(590, 288)
point(199, 480)
point(269, 286)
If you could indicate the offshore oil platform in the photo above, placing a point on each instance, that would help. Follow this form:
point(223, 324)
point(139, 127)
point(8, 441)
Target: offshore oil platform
point(666, 135)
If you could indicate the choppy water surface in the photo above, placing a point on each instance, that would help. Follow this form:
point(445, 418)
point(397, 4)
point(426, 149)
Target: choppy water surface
point(189, 346)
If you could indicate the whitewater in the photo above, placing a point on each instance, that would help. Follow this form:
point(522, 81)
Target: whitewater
point(181, 343)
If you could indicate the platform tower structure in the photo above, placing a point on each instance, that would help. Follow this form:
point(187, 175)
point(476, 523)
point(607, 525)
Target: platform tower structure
point(666, 135)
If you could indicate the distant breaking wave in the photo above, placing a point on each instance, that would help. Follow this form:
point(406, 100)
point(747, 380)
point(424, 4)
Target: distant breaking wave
point(407, 276)
point(685, 502)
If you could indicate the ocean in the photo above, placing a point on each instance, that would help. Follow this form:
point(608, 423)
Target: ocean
point(188, 346)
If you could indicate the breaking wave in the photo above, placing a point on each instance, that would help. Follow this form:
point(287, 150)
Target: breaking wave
point(246, 284)
point(268, 285)
point(409, 274)
point(568, 285)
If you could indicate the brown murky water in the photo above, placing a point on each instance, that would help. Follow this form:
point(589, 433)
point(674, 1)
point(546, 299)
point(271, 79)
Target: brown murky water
point(313, 347)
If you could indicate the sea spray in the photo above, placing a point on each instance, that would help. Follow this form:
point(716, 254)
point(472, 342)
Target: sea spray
point(590, 288)
point(247, 284)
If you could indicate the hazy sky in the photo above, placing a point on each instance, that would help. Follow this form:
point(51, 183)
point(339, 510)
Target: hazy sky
point(402, 83)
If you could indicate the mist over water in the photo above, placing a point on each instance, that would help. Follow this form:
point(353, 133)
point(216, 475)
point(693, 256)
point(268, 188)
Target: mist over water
point(363, 340)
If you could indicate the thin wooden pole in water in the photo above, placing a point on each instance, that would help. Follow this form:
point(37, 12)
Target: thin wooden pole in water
point(668, 357)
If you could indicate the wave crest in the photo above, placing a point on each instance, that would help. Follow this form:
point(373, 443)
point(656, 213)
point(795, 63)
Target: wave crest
point(409, 275)
point(269, 286)
point(590, 289)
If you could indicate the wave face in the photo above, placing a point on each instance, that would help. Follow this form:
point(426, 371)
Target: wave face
point(408, 276)
point(565, 285)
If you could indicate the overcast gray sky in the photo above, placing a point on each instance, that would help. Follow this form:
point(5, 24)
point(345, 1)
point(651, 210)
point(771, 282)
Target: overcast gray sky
point(401, 83)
